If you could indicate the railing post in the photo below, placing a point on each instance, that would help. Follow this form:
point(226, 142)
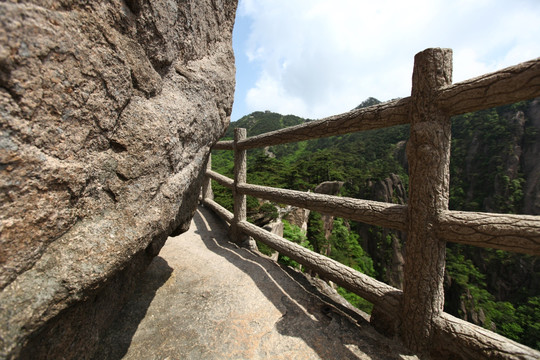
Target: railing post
point(428, 151)
point(207, 192)
point(240, 177)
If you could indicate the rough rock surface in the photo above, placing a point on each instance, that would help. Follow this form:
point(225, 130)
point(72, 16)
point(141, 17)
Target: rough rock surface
point(390, 190)
point(108, 110)
point(205, 298)
point(275, 227)
point(297, 216)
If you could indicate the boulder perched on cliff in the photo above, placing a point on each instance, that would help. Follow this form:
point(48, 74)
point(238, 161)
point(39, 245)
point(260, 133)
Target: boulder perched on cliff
point(108, 110)
point(329, 187)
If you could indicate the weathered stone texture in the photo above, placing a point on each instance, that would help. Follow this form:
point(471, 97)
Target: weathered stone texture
point(108, 110)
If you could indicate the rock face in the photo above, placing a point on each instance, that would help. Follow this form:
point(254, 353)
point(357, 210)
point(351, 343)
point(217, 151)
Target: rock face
point(108, 110)
point(275, 227)
point(531, 165)
point(507, 278)
point(297, 216)
point(390, 190)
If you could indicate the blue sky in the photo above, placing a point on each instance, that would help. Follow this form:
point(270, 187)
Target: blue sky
point(316, 58)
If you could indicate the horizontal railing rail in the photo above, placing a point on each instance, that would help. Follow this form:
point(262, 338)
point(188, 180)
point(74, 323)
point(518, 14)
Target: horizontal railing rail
point(515, 233)
point(370, 212)
point(416, 312)
point(509, 85)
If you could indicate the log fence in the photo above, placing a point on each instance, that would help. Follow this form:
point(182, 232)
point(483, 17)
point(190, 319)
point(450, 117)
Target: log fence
point(414, 314)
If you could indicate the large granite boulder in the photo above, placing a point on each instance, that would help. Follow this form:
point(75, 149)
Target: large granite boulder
point(108, 110)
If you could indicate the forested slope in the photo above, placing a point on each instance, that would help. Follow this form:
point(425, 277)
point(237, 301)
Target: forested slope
point(495, 167)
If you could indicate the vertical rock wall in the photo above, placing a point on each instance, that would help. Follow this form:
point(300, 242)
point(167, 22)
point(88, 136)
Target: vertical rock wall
point(108, 110)
point(530, 163)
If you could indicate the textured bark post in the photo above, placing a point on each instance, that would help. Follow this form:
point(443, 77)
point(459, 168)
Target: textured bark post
point(240, 176)
point(428, 152)
point(207, 193)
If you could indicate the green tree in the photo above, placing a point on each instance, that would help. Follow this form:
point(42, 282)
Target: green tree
point(347, 250)
point(315, 232)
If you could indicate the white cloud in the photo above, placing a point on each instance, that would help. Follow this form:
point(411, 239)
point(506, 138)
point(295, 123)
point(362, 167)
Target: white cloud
point(270, 94)
point(322, 57)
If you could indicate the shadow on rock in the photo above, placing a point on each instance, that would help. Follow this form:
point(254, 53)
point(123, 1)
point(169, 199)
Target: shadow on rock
point(117, 339)
point(324, 325)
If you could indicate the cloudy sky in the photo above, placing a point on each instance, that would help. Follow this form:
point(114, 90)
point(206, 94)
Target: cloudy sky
point(316, 58)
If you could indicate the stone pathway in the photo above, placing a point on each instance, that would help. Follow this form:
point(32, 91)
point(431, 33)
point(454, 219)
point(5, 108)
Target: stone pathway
point(205, 298)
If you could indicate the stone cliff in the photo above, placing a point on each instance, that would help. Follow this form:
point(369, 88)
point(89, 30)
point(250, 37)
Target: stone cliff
point(511, 183)
point(108, 110)
point(530, 163)
point(385, 246)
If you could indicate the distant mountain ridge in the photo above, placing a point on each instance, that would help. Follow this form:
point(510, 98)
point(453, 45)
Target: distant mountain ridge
point(260, 122)
point(370, 101)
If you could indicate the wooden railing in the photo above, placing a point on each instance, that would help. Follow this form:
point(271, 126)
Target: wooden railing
point(415, 314)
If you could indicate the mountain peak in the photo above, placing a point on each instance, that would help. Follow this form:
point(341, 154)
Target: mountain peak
point(370, 101)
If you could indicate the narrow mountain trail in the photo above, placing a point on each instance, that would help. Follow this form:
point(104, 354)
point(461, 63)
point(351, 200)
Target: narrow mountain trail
point(205, 298)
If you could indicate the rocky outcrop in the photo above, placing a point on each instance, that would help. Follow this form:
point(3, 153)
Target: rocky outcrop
point(390, 190)
point(297, 216)
point(385, 246)
point(329, 187)
point(108, 110)
point(275, 227)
